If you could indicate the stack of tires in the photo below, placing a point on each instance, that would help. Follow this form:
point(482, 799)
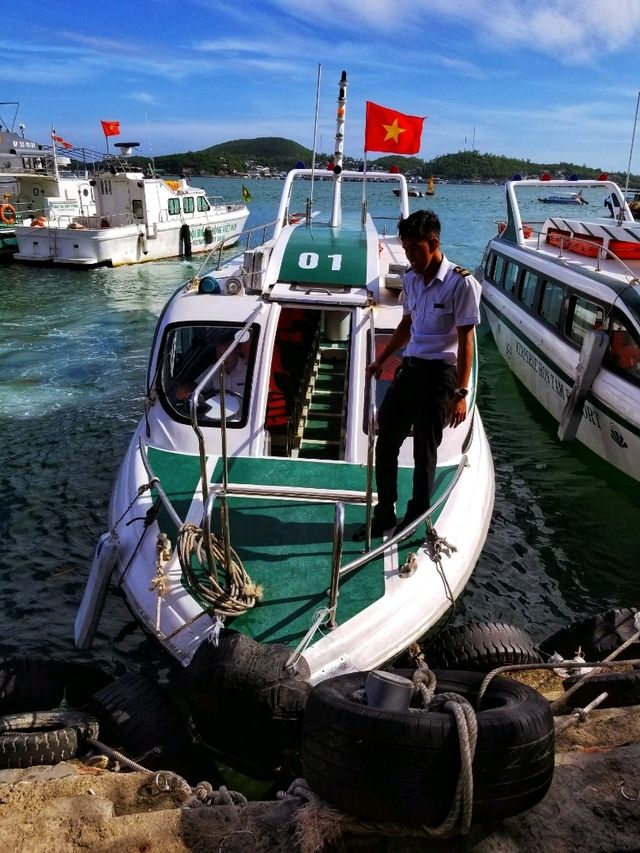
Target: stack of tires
point(39, 723)
point(595, 637)
point(403, 766)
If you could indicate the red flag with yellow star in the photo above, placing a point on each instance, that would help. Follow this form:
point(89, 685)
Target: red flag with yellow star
point(389, 130)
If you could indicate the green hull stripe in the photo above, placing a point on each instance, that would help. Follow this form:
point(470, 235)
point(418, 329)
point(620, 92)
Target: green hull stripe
point(331, 257)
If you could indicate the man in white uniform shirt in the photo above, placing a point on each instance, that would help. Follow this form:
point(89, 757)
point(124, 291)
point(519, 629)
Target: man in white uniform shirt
point(440, 309)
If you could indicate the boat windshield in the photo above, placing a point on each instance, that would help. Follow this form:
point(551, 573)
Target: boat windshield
point(191, 351)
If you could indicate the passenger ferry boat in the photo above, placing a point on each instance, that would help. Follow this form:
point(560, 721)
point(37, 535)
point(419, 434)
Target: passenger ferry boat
point(138, 217)
point(259, 425)
point(562, 297)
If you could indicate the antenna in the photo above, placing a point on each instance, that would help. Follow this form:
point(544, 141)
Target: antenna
point(313, 155)
point(153, 165)
point(633, 136)
point(336, 213)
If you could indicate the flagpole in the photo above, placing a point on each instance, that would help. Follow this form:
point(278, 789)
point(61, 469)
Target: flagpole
point(56, 174)
point(364, 189)
point(336, 211)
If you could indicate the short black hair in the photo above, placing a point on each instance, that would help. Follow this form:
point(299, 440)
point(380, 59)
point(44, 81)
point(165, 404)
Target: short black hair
point(419, 225)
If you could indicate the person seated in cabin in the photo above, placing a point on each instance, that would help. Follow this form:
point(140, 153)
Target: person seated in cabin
point(235, 370)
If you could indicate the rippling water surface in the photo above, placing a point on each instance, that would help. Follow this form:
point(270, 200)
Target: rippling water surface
point(73, 354)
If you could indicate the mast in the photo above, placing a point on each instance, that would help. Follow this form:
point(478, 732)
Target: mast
point(336, 210)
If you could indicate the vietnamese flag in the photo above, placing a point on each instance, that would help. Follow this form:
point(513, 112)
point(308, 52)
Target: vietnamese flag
point(110, 128)
point(390, 131)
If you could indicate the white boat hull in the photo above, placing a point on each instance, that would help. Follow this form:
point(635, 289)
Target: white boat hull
point(128, 244)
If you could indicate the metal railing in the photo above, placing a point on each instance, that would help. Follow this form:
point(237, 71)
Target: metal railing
point(371, 437)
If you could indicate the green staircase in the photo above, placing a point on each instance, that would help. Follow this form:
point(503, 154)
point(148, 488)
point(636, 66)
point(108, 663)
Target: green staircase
point(321, 427)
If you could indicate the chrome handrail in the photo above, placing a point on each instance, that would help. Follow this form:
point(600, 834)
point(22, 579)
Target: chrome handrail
point(246, 235)
point(408, 530)
point(164, 500)
point(336, 558)
point(373, 414)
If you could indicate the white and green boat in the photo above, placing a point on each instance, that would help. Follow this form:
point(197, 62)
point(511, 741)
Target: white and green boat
point(255, 457)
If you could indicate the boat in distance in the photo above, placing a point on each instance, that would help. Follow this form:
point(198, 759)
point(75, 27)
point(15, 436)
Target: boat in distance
point(138, 217)
point(252, 466)
point(562, 297)
point(563, 198)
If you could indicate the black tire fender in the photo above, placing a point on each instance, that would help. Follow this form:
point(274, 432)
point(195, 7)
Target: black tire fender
point(404, 766)
point(37, 684)
point(597, 635)
point(623, 689)
point(44, 737)
point(137, 716)
point(481, 647)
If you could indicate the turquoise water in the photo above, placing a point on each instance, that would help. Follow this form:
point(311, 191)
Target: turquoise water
point(73, 352)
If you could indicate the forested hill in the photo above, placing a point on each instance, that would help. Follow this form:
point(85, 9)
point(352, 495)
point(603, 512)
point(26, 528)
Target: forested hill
point(240, 155)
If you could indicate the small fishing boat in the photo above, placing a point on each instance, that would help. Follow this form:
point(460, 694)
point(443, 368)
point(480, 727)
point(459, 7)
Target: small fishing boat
point(563, 302)
point(138, 217)
point(252, 467)
point(563, 198)
point(412, 191)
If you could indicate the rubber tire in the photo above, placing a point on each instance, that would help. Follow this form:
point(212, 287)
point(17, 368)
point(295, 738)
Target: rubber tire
point(623, 689)
point(43, 738)
point(481, 647)
point(598, 635)
point(37, 684)
point(245, 704)
point(139, 718)
point(404, 766)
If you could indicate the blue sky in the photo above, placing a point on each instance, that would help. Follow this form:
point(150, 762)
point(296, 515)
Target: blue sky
point(547, 80)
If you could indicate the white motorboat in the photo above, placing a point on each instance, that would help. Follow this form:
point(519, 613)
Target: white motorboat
point(259, 425)
point(563, 301)
point(138, 218)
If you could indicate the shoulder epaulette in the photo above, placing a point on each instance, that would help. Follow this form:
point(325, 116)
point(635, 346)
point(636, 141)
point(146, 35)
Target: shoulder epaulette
point(462, 271)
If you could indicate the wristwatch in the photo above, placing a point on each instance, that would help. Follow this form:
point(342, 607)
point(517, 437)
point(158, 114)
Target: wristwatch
point(461, 392)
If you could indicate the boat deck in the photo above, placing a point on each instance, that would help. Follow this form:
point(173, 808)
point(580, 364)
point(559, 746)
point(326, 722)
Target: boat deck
point(286, 538)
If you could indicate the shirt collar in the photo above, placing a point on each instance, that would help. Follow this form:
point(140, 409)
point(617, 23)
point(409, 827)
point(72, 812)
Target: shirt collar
point(443, 269)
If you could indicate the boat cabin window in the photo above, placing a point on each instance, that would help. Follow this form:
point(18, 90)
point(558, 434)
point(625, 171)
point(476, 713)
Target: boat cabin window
point(528, 289)
point(511, 275)
point(203, 204)
point(191, 351)
point(136, 207)
point(584, 316)
point(173, 206)
point(551, 304)
point(105, 186)
point(187, 204)
point(624, 349)
point(497, 268)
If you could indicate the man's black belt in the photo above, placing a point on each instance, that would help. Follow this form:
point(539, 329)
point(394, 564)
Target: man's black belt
point(413, 361)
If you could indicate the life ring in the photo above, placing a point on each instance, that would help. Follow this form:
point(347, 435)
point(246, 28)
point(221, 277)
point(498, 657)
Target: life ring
point(7, 214)
point(527, 231)
point(368, 761)
point(480, 647)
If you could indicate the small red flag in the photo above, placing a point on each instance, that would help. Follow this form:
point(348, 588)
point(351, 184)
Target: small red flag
point(110, 128)
point(389, 130)
point(61, 141)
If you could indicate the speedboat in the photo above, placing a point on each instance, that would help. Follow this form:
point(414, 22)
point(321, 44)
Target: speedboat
point(563, 198)
point(139, 217)
point(412, 191)
point(252, 465)
point(562, 297)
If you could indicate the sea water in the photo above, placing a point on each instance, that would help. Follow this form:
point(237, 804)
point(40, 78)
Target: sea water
point(74, 346)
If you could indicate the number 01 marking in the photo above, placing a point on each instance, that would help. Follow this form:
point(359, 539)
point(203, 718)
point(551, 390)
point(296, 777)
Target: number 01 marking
point(310, 261)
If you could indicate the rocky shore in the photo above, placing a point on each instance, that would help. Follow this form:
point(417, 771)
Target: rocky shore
point(593, 805)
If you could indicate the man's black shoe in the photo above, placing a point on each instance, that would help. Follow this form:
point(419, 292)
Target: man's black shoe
point(405, 522)
point(377, 529)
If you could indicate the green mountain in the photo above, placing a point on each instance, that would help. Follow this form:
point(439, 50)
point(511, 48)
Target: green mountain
point(241, 155)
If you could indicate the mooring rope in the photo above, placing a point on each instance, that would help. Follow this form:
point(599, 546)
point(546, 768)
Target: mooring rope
point(241, 594)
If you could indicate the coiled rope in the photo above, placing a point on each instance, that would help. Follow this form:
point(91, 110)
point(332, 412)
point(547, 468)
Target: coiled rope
point(241, 593)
